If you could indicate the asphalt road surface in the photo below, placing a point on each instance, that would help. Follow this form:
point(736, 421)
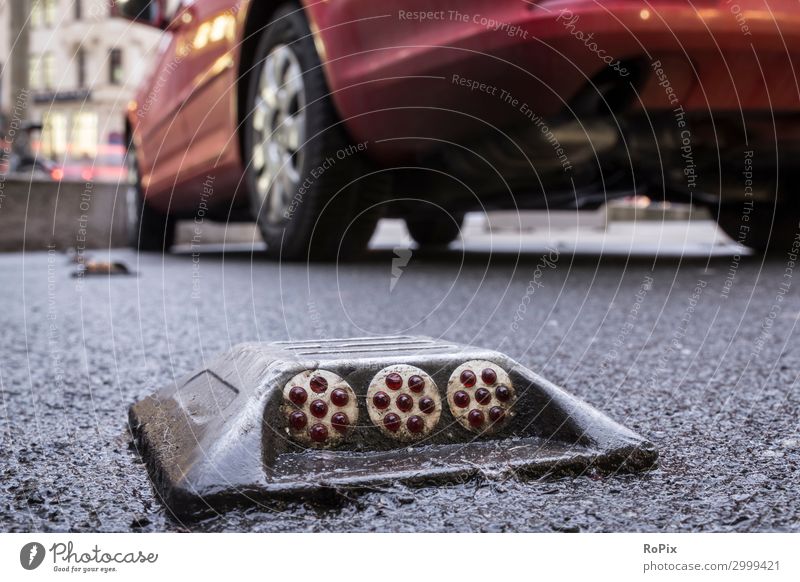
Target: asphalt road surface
point(694, 349)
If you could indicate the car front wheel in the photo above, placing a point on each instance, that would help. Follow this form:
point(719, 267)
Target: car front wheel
point(304, 176)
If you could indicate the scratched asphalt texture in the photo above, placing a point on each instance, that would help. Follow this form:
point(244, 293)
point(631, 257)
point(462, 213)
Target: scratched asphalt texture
point(711, 377)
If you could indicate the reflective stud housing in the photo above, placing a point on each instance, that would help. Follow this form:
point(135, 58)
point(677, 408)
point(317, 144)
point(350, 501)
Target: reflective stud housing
point(481, 396)
point(404, 402)
point(266, 419)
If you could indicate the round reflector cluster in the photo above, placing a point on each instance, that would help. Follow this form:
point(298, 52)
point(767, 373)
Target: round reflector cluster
point(320, 408)
point(480, 396)
point(404, 402)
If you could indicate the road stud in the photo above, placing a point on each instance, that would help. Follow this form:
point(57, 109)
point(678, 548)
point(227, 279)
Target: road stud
point(305, 417)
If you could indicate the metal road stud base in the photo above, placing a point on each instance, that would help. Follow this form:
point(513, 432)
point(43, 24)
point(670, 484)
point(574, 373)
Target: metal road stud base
point(288, 418)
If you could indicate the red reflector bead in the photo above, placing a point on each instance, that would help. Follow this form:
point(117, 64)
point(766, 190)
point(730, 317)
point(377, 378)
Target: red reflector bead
point(427, 405)
point(381, 400)
point(416, 384)
point(340, 422)
point(298, 420)
point(476, 418)
point(483, 396)
point(318, 433)
point(503, 393)
point(319, 408)
point(468, 378)
point(394, 381)
point(415, 424)
point(496, 414)
point(461, 399)
point(318, 384)
point(489, 376)
point(339, 397)
point(298, 395)
point(392, 422)
point(405, 402)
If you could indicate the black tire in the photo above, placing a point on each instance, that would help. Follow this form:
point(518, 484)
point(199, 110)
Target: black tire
point(148, 229)
point(326, 221)
point(437, 229)
point(765, 228)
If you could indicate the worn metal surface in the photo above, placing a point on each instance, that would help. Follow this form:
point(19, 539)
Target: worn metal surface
point(220, 435)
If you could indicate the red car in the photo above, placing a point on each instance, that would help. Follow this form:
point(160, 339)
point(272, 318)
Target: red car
point(318, 118)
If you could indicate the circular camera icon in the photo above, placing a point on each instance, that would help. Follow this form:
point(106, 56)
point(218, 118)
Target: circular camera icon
point(31, 555)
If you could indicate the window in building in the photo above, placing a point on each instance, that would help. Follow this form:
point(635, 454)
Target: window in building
point(36, 14)
point(78, 9)
point(84, 134)
point(50, 11)
point(54, 135)
point(34, 72)
point(48, 70)
point(115, 67)
point(80, 63)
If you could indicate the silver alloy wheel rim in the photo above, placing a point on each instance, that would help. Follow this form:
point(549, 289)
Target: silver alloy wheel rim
point(278, 123)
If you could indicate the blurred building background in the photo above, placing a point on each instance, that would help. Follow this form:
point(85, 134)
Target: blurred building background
point(84, 67)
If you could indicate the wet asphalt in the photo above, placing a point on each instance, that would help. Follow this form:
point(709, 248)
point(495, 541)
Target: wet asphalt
point(698, 354)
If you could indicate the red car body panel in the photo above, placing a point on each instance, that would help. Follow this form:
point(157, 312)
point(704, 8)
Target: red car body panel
point(184, 118)
point(392, 77)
